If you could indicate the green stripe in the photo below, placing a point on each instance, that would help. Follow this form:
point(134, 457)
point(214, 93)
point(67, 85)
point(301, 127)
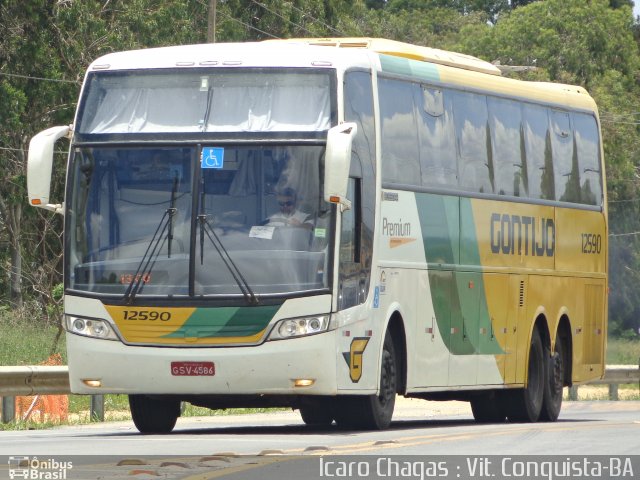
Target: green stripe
point(459, 298)
point(226, 322)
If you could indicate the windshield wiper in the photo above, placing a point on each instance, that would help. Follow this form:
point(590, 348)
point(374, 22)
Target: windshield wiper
point(205, 227)
point(172, 206)
point(150, 256)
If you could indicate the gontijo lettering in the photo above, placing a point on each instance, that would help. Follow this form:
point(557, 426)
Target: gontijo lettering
point(520, 235)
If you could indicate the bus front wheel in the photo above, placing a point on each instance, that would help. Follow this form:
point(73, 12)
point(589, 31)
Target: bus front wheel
point(373, 411)
point(488, 408)
point(318, 413)
point(153, 415)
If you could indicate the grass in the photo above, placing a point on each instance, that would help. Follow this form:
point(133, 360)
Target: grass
point(623, 351)
point(28, 343)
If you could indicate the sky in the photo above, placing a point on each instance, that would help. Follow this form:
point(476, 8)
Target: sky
point(636, 9)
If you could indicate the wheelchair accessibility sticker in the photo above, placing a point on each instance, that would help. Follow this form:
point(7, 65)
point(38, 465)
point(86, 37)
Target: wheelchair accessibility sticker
point(212, 157)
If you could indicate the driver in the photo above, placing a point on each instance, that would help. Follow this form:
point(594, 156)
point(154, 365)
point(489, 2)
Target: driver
point(289, 215)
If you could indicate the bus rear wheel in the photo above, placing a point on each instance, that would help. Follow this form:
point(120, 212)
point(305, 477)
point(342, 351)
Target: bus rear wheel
point(373, 412)
point(553, 383)
point(525, 405)
point(153, 415)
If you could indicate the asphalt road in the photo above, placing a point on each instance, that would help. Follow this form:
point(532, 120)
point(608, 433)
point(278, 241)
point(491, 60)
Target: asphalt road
point(205, 447)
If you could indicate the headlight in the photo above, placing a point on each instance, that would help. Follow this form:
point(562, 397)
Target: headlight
point(90, 327)
point(299, 327)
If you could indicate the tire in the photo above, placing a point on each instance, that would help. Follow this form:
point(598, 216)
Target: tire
point(373, 412)
point(525, 405)
point(317, 416)
point(152, 415)
point(488, 408)
point(553, 382)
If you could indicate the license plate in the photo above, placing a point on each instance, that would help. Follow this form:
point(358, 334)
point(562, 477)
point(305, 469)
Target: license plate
point(193, 369)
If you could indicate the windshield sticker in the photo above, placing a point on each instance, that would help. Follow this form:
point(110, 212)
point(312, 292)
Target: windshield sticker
point(320, 233)
point(212, 157)
point(265, 232)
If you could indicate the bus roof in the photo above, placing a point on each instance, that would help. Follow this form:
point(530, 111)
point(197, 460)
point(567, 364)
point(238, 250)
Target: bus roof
point(456, 68)
point(405, 50)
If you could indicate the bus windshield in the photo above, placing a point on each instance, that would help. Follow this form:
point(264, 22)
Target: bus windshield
point(170, 221)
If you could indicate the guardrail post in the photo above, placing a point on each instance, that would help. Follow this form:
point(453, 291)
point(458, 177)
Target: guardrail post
point(97, 408)
point(613, 391)
point(8, 409)
point(573, 393)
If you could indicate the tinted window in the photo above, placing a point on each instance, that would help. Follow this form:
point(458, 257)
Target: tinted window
point(470, 115)
point(537, 145)
point(565, 158)
point(588, 148)
point(400, 158)
point(437, 138)
point(508, 148)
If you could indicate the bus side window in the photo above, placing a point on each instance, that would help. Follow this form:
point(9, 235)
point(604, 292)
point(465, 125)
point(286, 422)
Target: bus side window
point(350, 231)
point(474, 161)
point(588, 149)
point(400, 157)
point(350, 265)
point(437, 139)
point(565, 158)
point(537, 144)
point(508, 155)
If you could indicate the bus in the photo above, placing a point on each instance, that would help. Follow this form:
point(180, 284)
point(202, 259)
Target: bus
point(450, 240)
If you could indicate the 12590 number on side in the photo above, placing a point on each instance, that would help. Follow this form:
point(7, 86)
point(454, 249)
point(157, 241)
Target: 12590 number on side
point(591, 243)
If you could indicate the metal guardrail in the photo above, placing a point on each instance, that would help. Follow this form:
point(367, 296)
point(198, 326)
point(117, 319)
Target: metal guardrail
point(49, 380)
point(614, 375)
point(34, 380)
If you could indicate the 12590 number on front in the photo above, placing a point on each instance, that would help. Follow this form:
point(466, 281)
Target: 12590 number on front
point(151, 315)
point(193, 369)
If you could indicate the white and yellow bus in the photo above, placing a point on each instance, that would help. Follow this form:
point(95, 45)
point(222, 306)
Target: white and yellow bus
point(448, 233)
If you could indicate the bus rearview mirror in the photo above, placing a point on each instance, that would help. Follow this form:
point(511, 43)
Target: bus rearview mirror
point(338, 162)
point(40, 166)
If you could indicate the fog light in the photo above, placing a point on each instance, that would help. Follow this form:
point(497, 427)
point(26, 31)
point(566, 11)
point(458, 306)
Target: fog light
point(303, 382)
point(92, 383)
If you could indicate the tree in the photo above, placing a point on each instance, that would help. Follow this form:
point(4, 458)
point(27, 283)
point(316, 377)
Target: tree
point(551, 34)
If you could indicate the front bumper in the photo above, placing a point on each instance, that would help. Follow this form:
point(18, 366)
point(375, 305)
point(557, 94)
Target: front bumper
point(267, 369)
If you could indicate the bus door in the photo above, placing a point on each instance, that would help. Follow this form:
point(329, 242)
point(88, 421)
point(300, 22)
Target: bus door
point(463, 360)
point(496, 330)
